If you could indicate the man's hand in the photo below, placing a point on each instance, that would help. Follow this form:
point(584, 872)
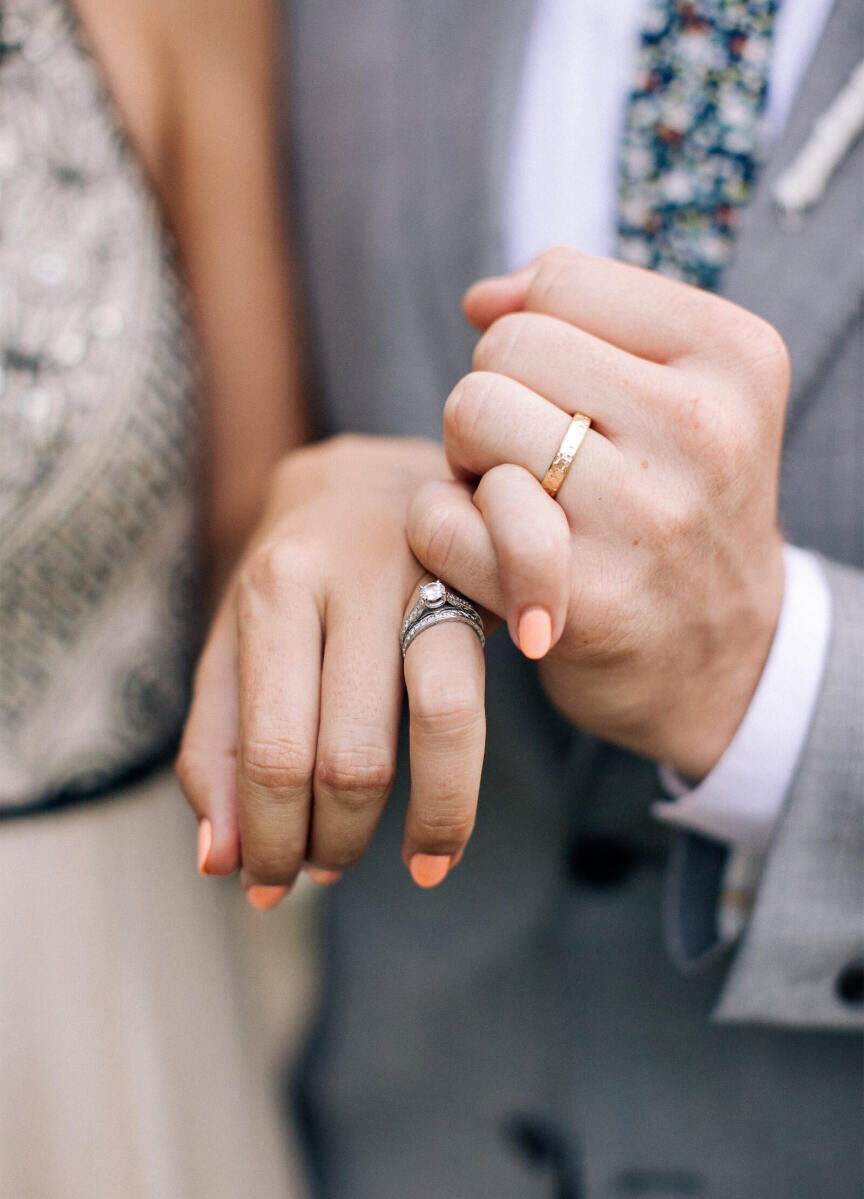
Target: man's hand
point(290, 748)
point(652, 585)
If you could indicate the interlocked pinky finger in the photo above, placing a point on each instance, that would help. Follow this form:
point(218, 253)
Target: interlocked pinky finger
point(531, 539)
point(447, 535)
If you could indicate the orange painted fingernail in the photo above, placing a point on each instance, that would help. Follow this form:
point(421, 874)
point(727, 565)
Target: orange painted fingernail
point(263, 898)
point(428, 869)
point(324, 878)
point(205, 844)
point(535, 632)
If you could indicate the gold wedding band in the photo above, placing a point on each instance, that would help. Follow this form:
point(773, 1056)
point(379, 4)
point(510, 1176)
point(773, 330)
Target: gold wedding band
point(567, 451)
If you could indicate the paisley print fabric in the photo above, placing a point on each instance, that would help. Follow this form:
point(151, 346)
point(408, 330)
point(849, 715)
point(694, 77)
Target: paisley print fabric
point(693, 134)
point(98, 430)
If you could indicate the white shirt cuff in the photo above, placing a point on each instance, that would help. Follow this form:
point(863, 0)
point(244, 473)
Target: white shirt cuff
point(740, 800)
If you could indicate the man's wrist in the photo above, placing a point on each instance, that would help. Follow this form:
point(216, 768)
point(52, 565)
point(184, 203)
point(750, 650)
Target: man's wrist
point(707, 719)
point(740, 799)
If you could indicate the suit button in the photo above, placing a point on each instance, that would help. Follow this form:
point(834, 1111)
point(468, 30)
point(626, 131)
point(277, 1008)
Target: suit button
point(850, 984)
point(601, 861)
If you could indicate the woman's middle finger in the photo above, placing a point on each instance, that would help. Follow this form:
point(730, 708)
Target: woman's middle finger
point(361, 700)
point(279, 664)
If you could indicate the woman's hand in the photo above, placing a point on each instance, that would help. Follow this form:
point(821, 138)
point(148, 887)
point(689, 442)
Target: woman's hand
point(289, 752)
point(655, 579)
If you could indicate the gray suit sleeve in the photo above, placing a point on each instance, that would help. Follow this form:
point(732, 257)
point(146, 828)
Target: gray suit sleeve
point(802, 953)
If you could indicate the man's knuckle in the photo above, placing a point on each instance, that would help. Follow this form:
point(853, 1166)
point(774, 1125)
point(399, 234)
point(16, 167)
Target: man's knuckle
point(496, 347)
point(556, 264)
point(734, 446)
point(669, 520)
point(706, 316)
point(699, 424)
point(467, 407)
point(771, 357)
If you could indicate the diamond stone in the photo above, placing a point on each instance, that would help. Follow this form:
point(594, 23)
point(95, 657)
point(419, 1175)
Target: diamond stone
point(434, 594)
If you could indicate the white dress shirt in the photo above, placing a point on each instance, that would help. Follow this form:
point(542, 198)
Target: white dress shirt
point(561, 189)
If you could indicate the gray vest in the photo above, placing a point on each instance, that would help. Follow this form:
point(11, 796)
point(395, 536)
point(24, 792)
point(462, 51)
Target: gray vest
point(523, 1031)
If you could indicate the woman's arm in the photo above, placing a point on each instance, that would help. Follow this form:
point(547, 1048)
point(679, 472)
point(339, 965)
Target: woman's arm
point(196, 86)
point(223, 199)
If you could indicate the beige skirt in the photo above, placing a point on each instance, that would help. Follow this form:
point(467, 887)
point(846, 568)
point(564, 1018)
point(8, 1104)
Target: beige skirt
point(147, 1015)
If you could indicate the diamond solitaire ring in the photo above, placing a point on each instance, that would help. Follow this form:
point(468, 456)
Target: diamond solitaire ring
point(438, 603)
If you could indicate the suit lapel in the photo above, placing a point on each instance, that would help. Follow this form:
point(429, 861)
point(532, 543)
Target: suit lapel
point(806, 275)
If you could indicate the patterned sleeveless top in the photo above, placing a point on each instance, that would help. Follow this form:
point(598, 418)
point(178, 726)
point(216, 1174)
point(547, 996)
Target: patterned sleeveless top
point(99, 433)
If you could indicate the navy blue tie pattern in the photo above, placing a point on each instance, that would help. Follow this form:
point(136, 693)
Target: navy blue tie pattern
point(693, 134)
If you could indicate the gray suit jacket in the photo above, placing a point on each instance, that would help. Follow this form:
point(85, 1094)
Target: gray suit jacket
point(527, 1029)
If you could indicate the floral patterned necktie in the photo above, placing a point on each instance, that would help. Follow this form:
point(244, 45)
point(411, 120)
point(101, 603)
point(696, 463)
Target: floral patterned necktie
point(693, 134)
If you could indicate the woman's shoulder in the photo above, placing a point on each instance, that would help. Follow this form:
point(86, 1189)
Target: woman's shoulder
point(168, 65)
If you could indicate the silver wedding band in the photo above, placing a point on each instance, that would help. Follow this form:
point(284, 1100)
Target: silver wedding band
point(438, 604)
